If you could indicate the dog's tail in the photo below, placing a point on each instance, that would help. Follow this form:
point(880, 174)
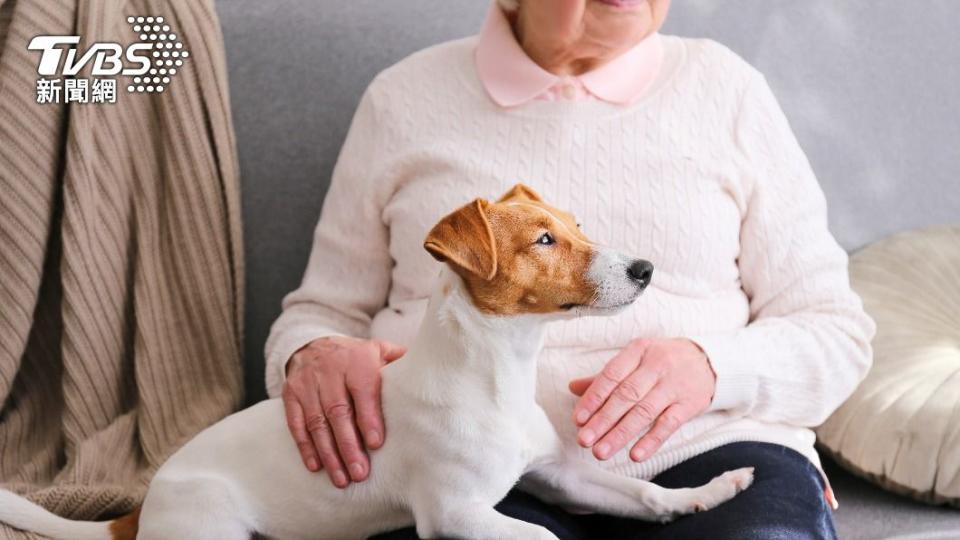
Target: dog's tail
point(25, 515)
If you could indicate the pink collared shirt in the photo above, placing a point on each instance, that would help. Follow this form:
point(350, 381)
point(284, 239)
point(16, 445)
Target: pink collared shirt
point(511, 78)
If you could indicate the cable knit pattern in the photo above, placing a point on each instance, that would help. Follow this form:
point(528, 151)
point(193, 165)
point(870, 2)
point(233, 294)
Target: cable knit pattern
point(702, 176)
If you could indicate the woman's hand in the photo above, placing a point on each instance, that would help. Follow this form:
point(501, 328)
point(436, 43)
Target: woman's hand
point(331, 395)
point(655, 384)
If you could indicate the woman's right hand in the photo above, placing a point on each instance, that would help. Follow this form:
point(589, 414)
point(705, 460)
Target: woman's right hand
point(331, 396)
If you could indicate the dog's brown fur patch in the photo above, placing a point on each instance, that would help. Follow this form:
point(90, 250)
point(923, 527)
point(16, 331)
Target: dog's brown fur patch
point(465, 239)
point(494, 248)
point(125, 527)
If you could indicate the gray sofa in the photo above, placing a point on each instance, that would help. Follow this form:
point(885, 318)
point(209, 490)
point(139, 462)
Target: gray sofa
point(870, 87)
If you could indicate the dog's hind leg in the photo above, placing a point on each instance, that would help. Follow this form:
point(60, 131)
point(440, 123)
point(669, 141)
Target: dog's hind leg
point(581, 486)
point(438, 518)
point(197, 509)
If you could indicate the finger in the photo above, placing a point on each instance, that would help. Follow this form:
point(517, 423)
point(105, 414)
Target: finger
point(327, 448)
point(364, 387)
point(579, 386)
point(627, 396)
point(617, 369)
point(297, 426)
point(338, 410)
point(666, 425)
point(319, 429)
point(391, 351)
point(637, 420)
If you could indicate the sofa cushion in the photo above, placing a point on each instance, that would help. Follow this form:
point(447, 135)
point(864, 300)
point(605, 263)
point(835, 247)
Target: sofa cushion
point(868, 512)
point(901, 428)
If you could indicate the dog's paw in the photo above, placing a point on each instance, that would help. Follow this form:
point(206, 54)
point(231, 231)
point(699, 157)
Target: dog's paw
point(739, 478)
point(720, 489)
point(666, 518)
point(730, 483)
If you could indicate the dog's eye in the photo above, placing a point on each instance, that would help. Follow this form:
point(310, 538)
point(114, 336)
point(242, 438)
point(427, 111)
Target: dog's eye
point(579, 226)
point(545, 240)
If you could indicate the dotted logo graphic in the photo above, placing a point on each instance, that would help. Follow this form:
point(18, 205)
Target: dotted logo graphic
point(167, 56)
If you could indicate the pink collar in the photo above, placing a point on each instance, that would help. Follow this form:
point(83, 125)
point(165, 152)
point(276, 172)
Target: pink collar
point(511, 78)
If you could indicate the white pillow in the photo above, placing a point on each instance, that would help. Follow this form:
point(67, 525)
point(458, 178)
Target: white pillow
point(901, 427)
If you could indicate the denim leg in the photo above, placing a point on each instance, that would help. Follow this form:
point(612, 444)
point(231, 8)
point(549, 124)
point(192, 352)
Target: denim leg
point(785, 501)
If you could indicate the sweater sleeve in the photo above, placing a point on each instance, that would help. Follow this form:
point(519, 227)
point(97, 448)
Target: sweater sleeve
point(807, 345)
point(348, 273)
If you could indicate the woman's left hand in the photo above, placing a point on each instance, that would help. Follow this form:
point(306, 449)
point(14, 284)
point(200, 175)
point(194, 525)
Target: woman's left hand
point(651, 383)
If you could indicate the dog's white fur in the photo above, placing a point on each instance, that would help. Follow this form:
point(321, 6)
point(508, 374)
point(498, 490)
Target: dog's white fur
point(464, 427)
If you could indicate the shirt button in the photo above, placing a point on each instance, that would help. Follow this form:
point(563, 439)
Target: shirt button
point(568, 91)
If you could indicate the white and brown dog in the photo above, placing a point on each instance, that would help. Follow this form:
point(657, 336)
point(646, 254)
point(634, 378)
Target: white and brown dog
point(460, 405)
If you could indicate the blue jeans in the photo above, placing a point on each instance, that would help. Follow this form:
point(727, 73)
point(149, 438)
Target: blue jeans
point(785, 502)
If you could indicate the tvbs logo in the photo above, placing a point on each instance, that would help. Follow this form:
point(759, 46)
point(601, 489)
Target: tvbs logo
point(106, 57)
point(149, 64)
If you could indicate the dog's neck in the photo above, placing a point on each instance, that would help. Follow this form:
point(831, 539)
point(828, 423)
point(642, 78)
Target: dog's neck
point(462, 350)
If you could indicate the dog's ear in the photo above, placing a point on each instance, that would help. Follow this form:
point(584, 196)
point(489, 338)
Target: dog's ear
point(464, 238)
point(520, 192)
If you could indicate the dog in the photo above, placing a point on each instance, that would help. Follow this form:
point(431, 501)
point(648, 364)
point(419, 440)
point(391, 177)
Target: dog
point(460, 404)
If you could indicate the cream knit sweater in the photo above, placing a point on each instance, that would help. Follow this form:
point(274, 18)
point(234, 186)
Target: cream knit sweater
point(702, 176)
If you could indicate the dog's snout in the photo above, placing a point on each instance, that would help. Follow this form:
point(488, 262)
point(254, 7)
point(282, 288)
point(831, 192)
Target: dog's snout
point(640, 271)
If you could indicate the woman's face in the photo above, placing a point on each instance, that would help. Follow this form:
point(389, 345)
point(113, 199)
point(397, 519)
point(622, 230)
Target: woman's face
point(573, 36)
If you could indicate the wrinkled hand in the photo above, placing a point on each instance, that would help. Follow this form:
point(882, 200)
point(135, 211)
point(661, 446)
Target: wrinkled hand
point(331, 395)
point(655, 384)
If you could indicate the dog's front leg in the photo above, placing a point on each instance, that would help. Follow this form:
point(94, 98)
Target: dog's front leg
point(438, 518)
point(584, 487)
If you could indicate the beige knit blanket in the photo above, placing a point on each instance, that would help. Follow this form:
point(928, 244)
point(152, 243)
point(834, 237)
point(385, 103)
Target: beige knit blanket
point(121, 274)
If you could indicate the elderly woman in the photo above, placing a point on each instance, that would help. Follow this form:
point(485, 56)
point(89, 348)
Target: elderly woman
point(668, 148)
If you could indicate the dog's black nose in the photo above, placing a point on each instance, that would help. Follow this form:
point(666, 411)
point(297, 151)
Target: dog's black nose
point(640, 271)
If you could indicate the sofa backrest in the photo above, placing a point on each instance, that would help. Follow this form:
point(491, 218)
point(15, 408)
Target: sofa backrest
point(872, 89)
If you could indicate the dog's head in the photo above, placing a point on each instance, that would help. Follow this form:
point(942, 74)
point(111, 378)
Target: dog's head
point(521, 255)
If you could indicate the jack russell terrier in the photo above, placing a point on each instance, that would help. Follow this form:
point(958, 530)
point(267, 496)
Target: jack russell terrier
point(460, 405)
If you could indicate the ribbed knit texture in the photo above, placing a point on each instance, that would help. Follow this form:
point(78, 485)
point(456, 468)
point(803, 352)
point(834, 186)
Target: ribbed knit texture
point(121, 272)
point(702, 176)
